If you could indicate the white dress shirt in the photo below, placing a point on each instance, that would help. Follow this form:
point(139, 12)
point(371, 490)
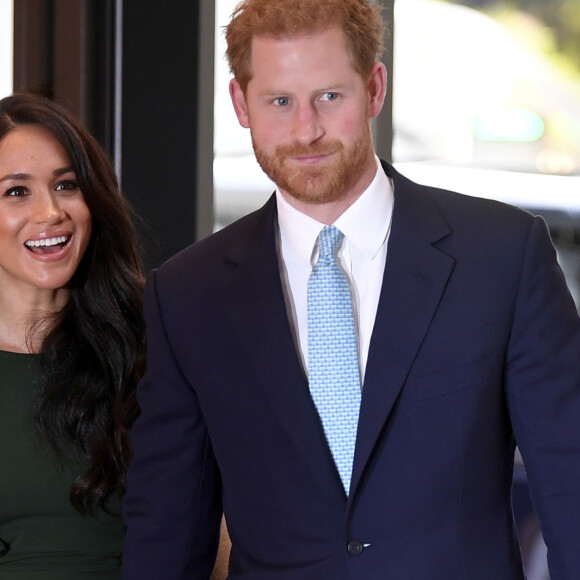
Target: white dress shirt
point(366, 226)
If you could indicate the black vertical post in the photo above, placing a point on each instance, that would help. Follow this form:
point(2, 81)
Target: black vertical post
point(160, 104)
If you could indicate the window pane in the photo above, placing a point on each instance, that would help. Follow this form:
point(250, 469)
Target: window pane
point(474, 90)
point(6, 28)
point(487, 102)
point(240, 185)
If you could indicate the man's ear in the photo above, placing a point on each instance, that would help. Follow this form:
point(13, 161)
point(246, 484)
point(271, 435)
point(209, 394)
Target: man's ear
point(377, 87)
point(239, 102)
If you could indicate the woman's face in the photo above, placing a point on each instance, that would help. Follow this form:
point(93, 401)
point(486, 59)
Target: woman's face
point(45, 224)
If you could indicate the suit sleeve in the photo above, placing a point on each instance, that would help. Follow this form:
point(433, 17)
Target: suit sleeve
point(172, 507)
point(543, 389)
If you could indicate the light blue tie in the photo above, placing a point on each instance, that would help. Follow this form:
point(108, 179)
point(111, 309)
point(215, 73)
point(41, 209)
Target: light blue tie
point(333, 369)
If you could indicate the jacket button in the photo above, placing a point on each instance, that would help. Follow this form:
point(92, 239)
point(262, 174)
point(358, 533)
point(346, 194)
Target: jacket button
point(355, 548)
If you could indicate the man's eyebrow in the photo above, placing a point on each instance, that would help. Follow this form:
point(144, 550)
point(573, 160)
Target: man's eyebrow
point(323, 89)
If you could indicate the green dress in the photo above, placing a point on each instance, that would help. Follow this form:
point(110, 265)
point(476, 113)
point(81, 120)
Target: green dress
point(42, 537)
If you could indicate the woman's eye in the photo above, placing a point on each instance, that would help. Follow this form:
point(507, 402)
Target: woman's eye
point(15, 192)
point(282, 101)
point(67, 185)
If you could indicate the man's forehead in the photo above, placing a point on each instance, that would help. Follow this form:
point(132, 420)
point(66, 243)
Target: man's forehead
point(267, 48)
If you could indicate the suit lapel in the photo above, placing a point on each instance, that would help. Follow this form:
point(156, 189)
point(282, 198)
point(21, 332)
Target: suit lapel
point(257, 308)
point(416, 273)
point(415, 276)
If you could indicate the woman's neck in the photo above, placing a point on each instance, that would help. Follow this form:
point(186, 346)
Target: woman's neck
point(25, 318)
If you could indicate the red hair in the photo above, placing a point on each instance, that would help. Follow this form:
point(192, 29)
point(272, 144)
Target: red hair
point(360, 20)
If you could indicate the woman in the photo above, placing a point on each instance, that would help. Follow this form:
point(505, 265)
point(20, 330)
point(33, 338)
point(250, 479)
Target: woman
point(71, 346)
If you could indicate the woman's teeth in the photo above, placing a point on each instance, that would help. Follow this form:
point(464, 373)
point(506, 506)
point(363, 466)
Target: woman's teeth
point(46, 242)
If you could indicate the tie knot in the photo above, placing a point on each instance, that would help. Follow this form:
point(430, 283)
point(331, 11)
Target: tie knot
point(329, 239)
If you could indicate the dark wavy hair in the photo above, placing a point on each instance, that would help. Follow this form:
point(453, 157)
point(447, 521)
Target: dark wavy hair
point(93, 352)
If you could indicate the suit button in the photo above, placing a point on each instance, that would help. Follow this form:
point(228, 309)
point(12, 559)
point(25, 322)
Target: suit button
point(355, 548)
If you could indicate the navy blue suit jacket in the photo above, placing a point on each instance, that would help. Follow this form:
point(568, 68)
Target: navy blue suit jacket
point(476, 347)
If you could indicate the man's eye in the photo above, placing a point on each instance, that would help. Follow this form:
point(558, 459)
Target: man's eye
point(330, 96)
point(282, 101)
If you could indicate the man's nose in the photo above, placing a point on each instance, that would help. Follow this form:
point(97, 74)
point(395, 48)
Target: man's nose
point(307, 126)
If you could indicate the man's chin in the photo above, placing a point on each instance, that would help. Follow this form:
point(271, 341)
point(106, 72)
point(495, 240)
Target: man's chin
point(311, 186)
point(313, 196)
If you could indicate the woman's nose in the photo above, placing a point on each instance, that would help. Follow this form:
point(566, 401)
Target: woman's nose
point(48, 209)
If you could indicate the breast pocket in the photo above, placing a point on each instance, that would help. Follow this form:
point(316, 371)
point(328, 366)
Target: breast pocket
point(455, 376)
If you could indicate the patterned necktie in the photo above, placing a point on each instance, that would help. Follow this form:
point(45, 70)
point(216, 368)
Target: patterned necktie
point(333, 369)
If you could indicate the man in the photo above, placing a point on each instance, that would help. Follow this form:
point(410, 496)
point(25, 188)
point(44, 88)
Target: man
point(467, 343)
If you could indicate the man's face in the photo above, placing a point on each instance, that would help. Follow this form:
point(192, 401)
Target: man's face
point(309, 114)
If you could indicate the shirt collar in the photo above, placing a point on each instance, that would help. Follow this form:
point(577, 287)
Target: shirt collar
point(365, 223)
